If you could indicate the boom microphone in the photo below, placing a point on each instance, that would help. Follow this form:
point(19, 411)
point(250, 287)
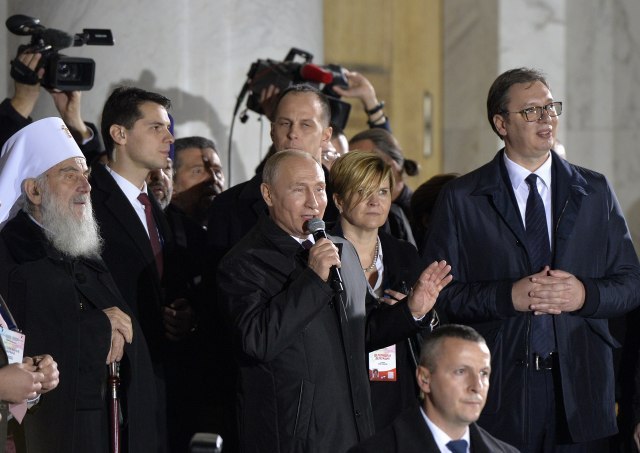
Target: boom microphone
point(314, 73)
point(316, 228)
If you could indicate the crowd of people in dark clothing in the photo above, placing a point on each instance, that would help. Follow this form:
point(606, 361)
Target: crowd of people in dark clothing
point(142, 301)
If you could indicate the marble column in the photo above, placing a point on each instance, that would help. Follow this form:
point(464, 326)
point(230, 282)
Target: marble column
point(590, 51)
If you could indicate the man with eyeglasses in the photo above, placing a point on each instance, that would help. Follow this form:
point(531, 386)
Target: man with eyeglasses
point(541, 257)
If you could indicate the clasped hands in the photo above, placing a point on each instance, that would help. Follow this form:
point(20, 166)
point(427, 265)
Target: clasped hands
point(548, 292)
point(25, 381)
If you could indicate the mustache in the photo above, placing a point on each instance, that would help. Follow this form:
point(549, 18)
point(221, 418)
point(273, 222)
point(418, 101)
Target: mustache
point(86, 198)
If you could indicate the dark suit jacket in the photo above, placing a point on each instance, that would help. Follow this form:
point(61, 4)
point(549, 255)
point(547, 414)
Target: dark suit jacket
point(128, 255)
point(301, 352)
point(477, 228)
point(402, 267)
point(410, 434)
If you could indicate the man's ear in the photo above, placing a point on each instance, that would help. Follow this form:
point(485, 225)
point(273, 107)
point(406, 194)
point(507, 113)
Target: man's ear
point(499, 122)
point(32, 191)
point(423, 376)
point(326, 135)
point(118, 134)
point(266, 194)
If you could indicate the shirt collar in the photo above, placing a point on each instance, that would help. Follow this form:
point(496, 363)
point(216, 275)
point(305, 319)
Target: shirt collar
point(442, 438)
point(518, 173)
point(308, 238)
point(129, 189)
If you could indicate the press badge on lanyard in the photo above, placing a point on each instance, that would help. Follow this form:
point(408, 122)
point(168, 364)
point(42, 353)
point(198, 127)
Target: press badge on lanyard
point(12, 339)
point(13, 344)
point(382, 364)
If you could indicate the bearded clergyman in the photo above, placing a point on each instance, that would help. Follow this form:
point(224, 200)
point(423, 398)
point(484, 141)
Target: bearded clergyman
point(64, 299)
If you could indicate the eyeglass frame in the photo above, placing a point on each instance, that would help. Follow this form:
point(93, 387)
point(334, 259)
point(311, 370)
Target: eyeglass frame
point(545, 108)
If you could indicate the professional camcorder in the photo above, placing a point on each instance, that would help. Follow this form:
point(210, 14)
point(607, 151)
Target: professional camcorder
point(60, 71)
point(284, 73)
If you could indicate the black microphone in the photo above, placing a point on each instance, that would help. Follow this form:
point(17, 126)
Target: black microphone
point(20, 24)
point(316, 228)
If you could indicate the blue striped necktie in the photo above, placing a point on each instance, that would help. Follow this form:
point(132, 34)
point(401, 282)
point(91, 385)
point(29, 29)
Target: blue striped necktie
point(542, 334)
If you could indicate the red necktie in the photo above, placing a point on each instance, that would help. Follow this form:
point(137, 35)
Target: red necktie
point(154, 236)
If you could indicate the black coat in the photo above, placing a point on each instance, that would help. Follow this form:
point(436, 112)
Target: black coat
point(478, 229)
point(410, 434)
point(58, 303)
point(303, 379)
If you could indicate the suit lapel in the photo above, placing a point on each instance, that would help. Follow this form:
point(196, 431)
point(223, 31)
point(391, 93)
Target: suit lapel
point(115, 201)
point(413, 433)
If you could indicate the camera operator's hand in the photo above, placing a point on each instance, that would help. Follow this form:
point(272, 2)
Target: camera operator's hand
point(359, 88)
point(268, 99)
point(25, 97)
point(68, 104)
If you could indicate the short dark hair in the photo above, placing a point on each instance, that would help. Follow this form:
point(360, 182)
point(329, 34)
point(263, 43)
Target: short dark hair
point(123, 107)
point(388, 145)
point(498, 97)
point(190, 142)
point(306, 88)
point(433, 342)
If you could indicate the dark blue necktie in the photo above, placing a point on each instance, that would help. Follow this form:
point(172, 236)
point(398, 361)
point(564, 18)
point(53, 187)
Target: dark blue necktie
point(542, 334)
point(457, 446)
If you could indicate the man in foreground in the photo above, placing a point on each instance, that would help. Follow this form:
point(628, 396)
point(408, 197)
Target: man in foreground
point(453, 376)
point(299, 342)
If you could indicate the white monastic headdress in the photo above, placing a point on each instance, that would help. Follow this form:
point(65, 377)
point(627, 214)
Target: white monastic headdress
point(30, 152)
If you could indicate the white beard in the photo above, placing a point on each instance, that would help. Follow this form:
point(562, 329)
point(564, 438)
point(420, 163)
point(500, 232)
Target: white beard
point(68, 234)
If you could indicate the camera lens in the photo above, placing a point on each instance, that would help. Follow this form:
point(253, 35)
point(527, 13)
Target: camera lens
point(67, 71)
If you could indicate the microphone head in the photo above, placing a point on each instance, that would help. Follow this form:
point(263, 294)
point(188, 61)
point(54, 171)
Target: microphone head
point(19, 24)
point(315, 73)
point(315, 225)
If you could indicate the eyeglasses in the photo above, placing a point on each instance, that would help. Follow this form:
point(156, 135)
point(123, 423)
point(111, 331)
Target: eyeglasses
point(532, 114)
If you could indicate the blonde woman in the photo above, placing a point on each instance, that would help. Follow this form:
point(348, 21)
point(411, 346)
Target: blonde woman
point(363, 185)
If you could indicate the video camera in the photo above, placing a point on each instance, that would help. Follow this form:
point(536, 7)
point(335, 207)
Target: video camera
point(60, 71)
point(288, 72)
